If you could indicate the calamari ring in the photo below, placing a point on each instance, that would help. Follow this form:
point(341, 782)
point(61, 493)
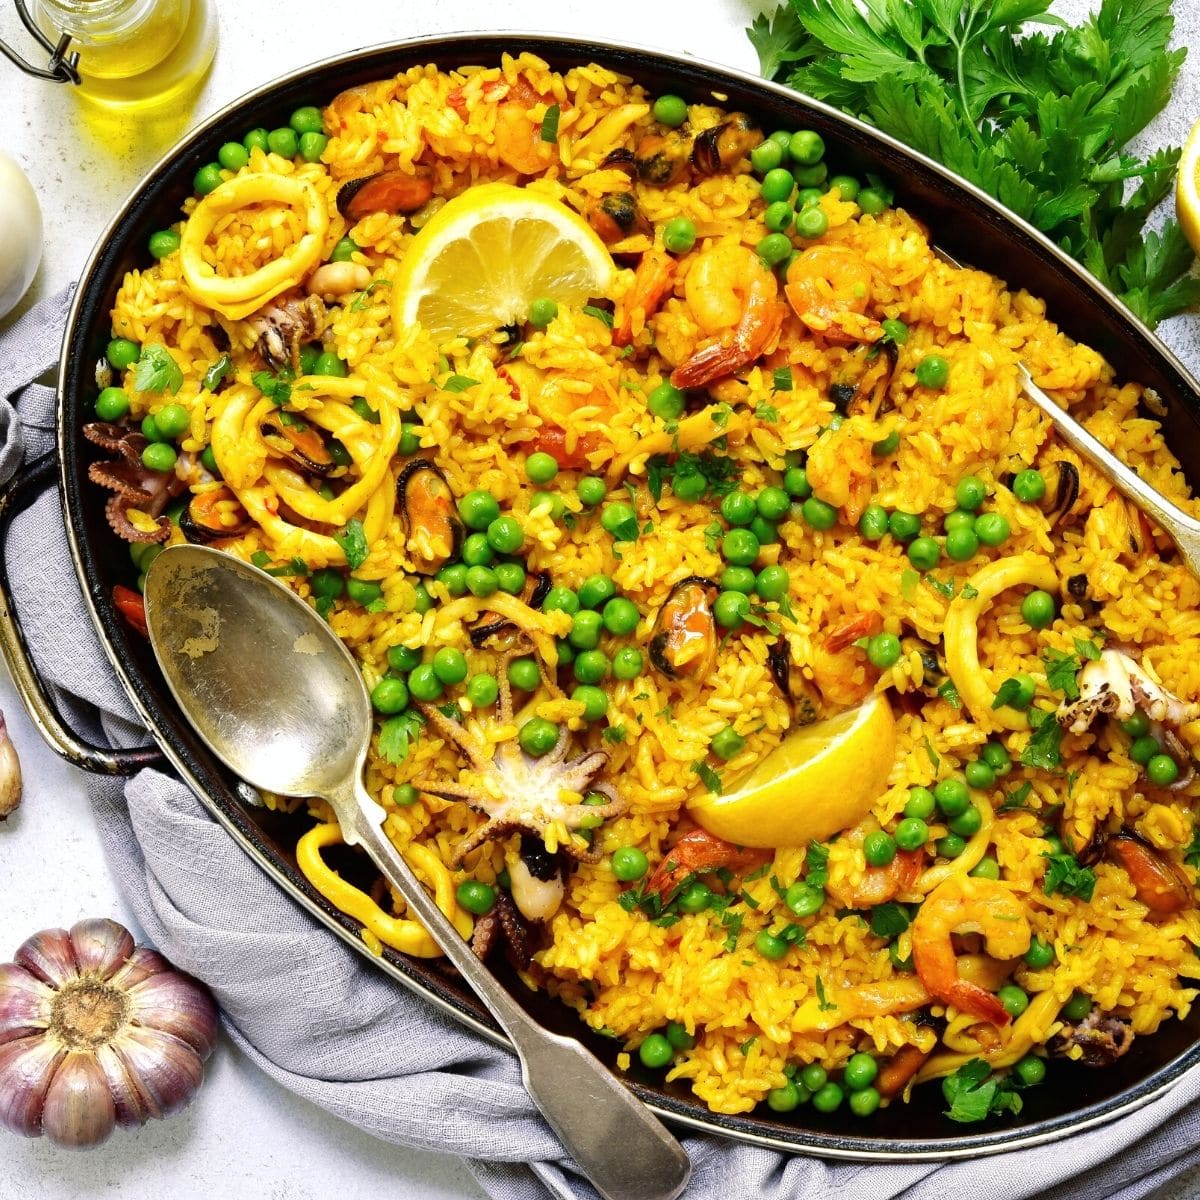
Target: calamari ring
point(961, 632)
point(237, 296)
point(400, 933)
point(241, 458)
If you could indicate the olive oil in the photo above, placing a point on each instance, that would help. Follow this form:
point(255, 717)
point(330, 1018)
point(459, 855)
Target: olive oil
point(135, 53)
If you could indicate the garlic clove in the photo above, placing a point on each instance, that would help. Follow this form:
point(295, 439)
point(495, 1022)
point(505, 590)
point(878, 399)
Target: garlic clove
point(172, 1003)
point(78, 1109)
point(49, 956)
point(143, 963)
point(167, 1070)
point(26, 1068)
point(130, 1104)
point(100, 945)
point(25, 1003)
point(10, 773)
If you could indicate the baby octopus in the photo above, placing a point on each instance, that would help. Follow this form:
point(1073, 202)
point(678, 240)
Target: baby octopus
point(522, 794)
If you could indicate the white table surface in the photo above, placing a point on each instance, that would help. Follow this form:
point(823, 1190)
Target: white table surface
point(244, 1136)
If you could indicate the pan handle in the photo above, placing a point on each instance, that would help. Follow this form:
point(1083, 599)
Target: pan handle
point(100, 760)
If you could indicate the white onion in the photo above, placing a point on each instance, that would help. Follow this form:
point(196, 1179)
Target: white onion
point(20, 234)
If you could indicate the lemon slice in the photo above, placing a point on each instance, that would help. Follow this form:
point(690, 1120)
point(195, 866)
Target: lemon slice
point(485, 257)
point(821, 779)
point(1187, 189)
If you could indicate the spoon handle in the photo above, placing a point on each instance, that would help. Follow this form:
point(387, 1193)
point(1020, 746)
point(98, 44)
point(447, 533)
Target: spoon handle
point(1182, 529)
point(624, 1150)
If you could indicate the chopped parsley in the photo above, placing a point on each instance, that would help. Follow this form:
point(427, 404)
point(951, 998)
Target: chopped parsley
point(157, 371)
point(1087, 648)
point(294, 566)
point(932, 753)
point(1017, 798)
point(708, 777)
point(767, 412)
point(550, 124)
point(1044, 749)
point(949, 693)
point(353, 542)
point(822, 1003)
point(1061, 670)
point(1066, 877)
point(601, 314)
point(783, 381)
point(889, 920)
point(362, 300)
point(1010, 690)
point(615, 734)
point(277, 388)
point(720, 472)
point(1191, 855)
point(216, 373)
point(973, 1093)
point(816, 865)
point(397, 733)
point(459, 383)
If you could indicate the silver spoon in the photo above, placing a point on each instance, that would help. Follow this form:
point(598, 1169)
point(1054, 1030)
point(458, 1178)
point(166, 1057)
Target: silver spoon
point(1180, 527)
point(278, 698)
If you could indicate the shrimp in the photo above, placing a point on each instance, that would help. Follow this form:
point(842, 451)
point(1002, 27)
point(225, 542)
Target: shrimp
point(840, 673)
point(651, 282)
point(700, 851)
point(965, 904)
point(552, 397)
point(829, 288)
point(730, 293)
point(518, 138)
point(840, 465)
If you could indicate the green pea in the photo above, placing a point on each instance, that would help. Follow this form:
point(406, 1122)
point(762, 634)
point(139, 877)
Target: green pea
point(629, 864)
point(173, 420)
point(986, 868)
point(807, 197)
point(655, 1051)
point(879, 848)
point(478, 509)
point(921, 803)
point(811, 222)
point(952, 797)
point(591, 666)
point(424, 684)
point(593, 699)
point(865, 1102)
point(962, 543)
point(923, 553)
point(283, 142)
point(163, 243)
point(827, 1099)
point(912, 833)
point(813, 176)
point(1029, 486)
point(112, 404)
point(814, 1077)
point(618, 518)
point(482, 582)
point(483, 690)
point(122, 353)
point(968, 823)
point(846, 186)
point(770, 946)
point(621, 616)
point(330, 365)
point(779, 216)
point(476, 897)
point(738, 508)
point(666, 402)
point(1022, 691)
point(511, 577)
point(256, 139)
point(772, 583)
point(883, 650)
point(996, 757)
point(552, 502)
point(992, 529)
point(860, 1071)
point(312, 146)
point(1078, 1007)
point(886, 445)
point(784, 1099)
point(803, 900)
point(585, 629)
point(1143, 749)
point(505, 535)
point(670, 110)
point(678, 1036)
point(538, 736)
point(950, 846)
point(422, 600)
point(450, 665)
point(772, 503)
point(1030, 1070)
point(904, 526)
point(400, 658)
point(1137, 726)
point(696, 898)
point(737, 579)
point(523, 674)
point(158, 456)
point(1162, 770)
point(627, 663)
point(980, 775)
point(933, 371)
point(207, 179)
point(679, 235)
point(542, 311)
point(477, 551)
point(330, 584)
point(970, 493)
point(872, 201)
point(774, 248)
point(591, 490)
point(389, 695)
point(895, 331)
point(806, 147)
point(405, 795)
point(561, 599)
point(689, 485)
point(795, 483)
point(1015, 1000)
point(344, 251)
point(1039, 955)
point(566, 653)
point(727, 743)
point(766, 156)
point(453, 577)
point(731, 609)
point(818, 514)
point(307, 120)
point(740, 547)
point(873, 523)
point(596, 591)
point(764, 530)
point(777, 185)
point(1037, 609)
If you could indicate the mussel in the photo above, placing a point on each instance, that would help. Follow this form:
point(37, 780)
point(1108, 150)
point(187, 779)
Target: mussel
point(862, 382)
point(213, 516)
point(1158, 883)
point(297, 441)
point(1062, 490)
point(432, 530)
point(617, 216)
point(684, 639)
point(537, 588)
point(621, 159)
point(662, 158)
point(933, 666)
point(392, 191)
point(795, 688)
point(719, 148)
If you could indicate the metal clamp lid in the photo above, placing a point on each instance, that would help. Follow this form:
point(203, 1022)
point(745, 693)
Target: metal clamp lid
point(62, 67)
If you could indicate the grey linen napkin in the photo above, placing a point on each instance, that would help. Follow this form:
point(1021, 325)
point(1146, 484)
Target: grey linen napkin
point(320, 1020)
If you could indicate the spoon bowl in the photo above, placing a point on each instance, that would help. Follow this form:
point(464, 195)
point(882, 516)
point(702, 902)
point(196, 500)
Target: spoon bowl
point(279, 699)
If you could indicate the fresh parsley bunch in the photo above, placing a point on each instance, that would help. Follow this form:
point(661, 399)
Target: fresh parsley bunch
point(1038, 120)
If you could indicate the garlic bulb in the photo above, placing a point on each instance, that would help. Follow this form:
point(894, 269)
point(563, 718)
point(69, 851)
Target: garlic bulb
point(20, 233)
point(10, 773)
point(95, 1032)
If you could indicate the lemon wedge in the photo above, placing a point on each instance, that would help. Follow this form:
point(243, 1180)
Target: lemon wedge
point(821, 779)
point(484, 257)
point(1187, 189)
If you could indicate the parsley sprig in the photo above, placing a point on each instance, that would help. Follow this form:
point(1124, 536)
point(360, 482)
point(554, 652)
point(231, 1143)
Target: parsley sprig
point(1039, 120)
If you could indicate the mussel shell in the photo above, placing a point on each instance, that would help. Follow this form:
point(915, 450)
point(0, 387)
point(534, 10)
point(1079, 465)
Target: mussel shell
point(617, 216)
point(1062, 490)
point(662, 158)
point(621, 159)
point(408, 194)
point(864, 381)
point(686, 615)
point(482, 634)
point(197, 521)
point(718, 148)
point(427, 508)
point(795, 689)
point(300, 442)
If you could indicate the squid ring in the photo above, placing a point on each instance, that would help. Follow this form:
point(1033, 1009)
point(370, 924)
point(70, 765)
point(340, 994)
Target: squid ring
point(237, 296)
